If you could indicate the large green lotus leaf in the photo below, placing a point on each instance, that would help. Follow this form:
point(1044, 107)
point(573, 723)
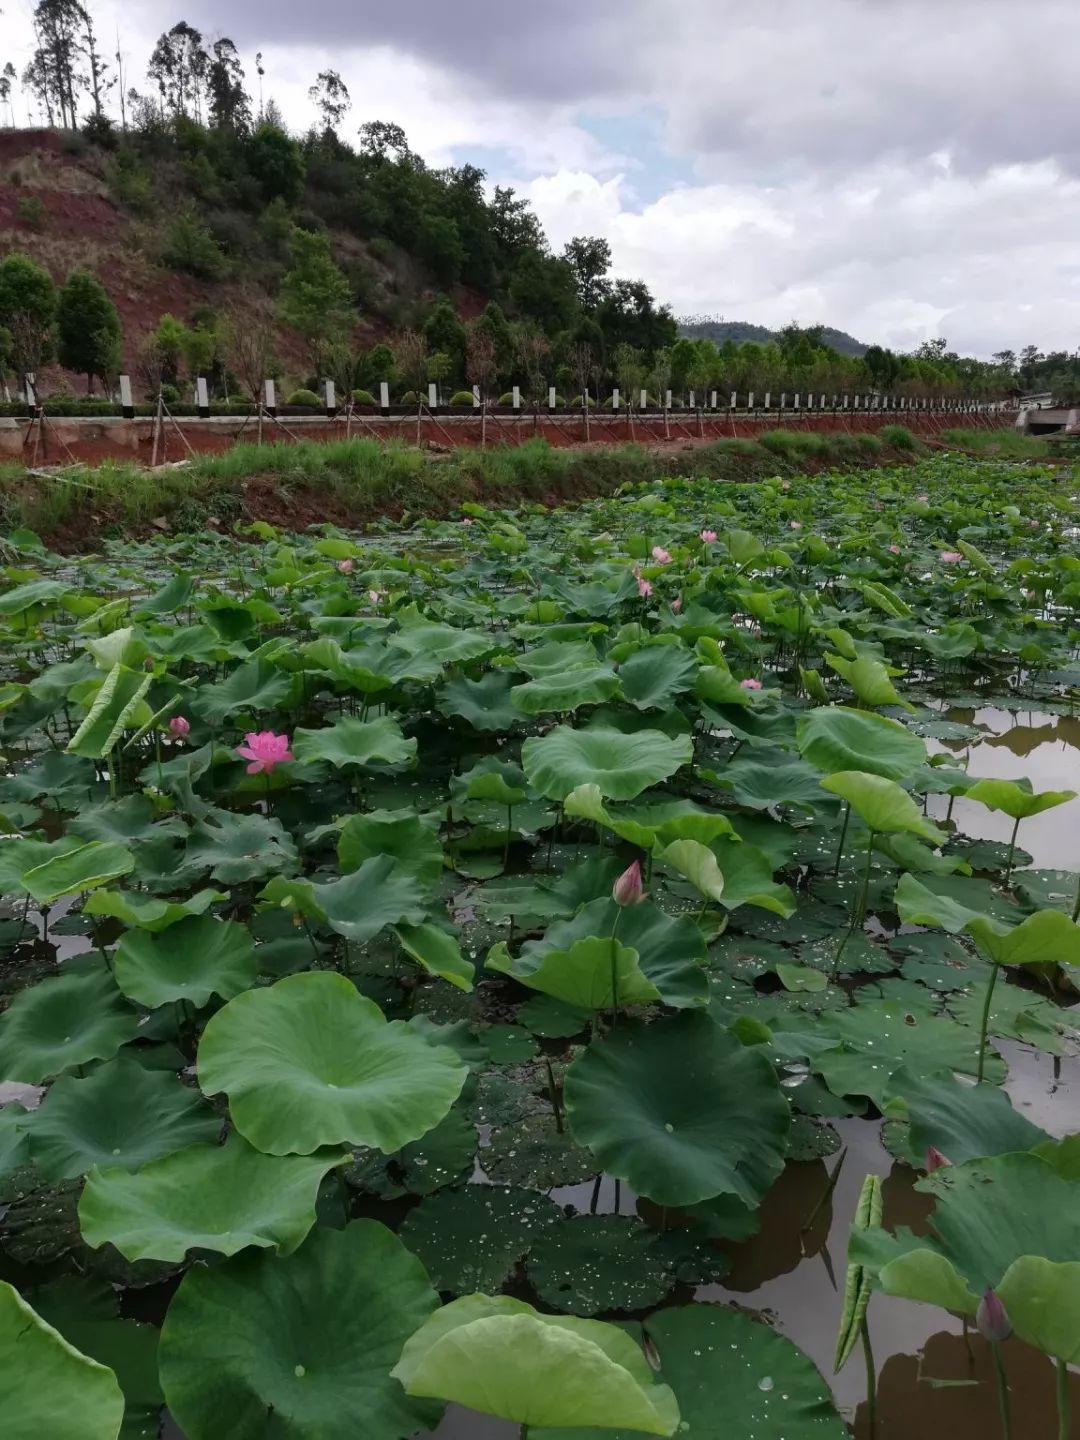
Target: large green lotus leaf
point(1016, 1013)
point(191, 960)
point(680, 1110)
point(15, 1125)
point(694, 862)
point(31, 594)
point(123, 821)
point(492, 779)
point(908, 853)
point(748, 878)
point(734, 1379)
point(484, 704)
point(881, 804)
point(593, 974)
point(380, 892)
point(310, 1061)
point(355, 742)
point(503, 1358)
point(255, 687)
point(647, 825)
point(51, 1391)
point(880, 1037)
point(655, 675)
point(90, 865)
point(147, 913)
point(670, 952)
point(471, 1239)
point(1016, 801)
point(834, 738)
point(532, 1153)
point(22, 854)
point(565, 691)
point(868, 678)
point(963, 1121)
point(779, 779)
point(308, 1340)
point(621, 766)
point(113, 710)
point(61, 1022)
point(205, 1197)
point(917, 904)
point(236, 848)
point(595, 1263)
point(438, 952)
point(1043, 1303)
point(1048, 937)
point(398, 833)
point(716, 685)
point(446, 644)
point(121, 1114)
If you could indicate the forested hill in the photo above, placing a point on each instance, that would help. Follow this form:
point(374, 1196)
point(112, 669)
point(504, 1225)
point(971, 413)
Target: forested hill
point(718, 331)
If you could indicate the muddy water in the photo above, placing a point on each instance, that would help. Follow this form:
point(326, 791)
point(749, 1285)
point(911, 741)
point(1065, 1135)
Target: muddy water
point(931, 1380)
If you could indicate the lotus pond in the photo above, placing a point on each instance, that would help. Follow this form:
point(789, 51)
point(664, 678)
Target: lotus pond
point(549, 973)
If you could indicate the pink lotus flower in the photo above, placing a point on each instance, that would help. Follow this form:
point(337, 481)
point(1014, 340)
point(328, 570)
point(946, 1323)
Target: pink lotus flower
point(466, 520)
point(345, 566)
point(796, 524)
point(935, 1160)
point(374, 596)
point(894, 549)
point(708, 536)
point(1033, 524)
point(179, 727)
point(644, 589)
point(922, 499)
point(628, 889)
point(660, 555)
point(951, 557)
point(264, 750)
point(992, 1318)
point(750, 684)
point(676, 604)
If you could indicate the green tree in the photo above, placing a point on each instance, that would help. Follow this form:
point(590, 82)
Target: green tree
point(315, 298)
point(589, 257)
point(230, 107)
point(191, 249)
point(89, 333)
point(167, 342)
point(27, 311)
point(277, 163)
point(438, 245)
point(444, 331)
point(377, 365)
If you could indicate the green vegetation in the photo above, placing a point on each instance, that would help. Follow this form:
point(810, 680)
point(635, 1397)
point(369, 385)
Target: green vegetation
point(615, 840)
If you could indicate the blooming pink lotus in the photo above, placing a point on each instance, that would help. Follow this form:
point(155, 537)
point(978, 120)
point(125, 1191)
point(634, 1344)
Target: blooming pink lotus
point(894, 549)
point(750, 683)
point(796, 524)
point(628, 889)
point(345, 566)
point(951, 557)
point(709, 536)
point(676, 604)
point(264, 750)
point(374, 596)
point(660, 555)
point(466, 520)
point(179, 727)
point(644, 589)
point(922, 499)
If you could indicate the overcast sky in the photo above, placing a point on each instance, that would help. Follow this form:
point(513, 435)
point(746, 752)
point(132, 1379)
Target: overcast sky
point(901, 169)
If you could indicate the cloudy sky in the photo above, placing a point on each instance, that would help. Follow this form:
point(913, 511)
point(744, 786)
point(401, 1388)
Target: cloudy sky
point(902, 169)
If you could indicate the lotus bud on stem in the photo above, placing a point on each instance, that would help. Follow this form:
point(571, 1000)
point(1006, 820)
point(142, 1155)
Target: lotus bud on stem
point(627, 890)
point(994, 1325)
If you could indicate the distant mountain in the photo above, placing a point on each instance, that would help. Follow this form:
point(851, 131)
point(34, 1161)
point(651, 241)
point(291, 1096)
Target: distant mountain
point(740, 330)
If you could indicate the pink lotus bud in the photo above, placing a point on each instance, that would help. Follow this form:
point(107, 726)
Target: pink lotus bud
point(951, 557)
point(374, 596)
point(796, 524)
point(935, 1160)
point(627, 889)
point(345, 566)
point(922, 499)
point(708, 536)
point(660, 555)
point(676, 604)
point(644, 589)
point(179, 727)
point(750, 684)
point(992, 1318)
point(894, 549)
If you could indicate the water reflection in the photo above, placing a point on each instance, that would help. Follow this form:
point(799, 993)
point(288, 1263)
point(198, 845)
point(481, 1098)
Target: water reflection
point(1044, 749)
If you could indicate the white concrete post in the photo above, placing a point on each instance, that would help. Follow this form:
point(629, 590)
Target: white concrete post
point(202, 397)
point(733, 403)
point(269, 395)
point(714, 398)
point(750, 401)
point(643, 400)
point(432, 396)
point(551, 397)
point(31, 389)
point(384, 396)
point(768, 399)
point(516, 397)
point(127, 404)
point(693, 400)
point(614, 399)
point(795, 403)
point(476, 397)
point(330, 395)
point(667, 399)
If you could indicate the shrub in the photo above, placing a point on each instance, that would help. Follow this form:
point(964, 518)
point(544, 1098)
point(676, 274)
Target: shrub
point(899, 437)
point(507, 399)
point(303, 397)
point(462, 397)
point(575, 403)
point(32, 211)
point(170, 394)
point(410, 398)
point(363, 397)
point(191, 249)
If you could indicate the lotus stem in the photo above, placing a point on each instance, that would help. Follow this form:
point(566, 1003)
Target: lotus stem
point(843, 837)
point(1004, 1405)
point(871, 1380)
point(1076, 905)
point(985, 1022)
point(506, 846)
point(1012, 848)
point(615, 967)
point(553, 1095)
point(1064, 1402)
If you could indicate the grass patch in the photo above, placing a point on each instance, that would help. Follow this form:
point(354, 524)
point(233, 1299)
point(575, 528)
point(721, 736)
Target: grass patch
point(1003, 444)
